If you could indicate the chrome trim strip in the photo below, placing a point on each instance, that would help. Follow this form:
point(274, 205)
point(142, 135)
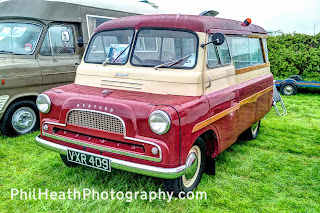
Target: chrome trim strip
point(159, 172)
point(124, 82)
point(112, 85)
point(124, 132)
point(78, 142)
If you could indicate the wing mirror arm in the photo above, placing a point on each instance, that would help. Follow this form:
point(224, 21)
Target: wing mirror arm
point(80, 42)
point(216, 39)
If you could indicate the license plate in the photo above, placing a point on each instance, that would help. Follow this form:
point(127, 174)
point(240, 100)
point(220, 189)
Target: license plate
point(89, 160)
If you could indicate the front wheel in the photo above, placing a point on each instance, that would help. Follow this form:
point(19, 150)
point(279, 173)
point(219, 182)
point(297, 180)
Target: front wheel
point(195, 165)
point(21, 118)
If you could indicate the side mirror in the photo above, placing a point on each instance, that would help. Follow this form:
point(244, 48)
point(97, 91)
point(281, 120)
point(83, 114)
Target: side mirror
point(80, 42)
point(65, 37)
point(218, 39)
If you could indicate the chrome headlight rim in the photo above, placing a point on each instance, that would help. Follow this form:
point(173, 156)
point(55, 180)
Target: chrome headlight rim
point(165, 116)
point(47, 101)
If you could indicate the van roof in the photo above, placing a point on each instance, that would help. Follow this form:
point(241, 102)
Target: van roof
point(71, 10)
point(191, 22)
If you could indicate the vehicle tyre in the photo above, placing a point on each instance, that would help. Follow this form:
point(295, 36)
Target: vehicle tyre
point(252, 132)
point(66, 162)
point(189, 181)
point(21, 118)
point(288, 89)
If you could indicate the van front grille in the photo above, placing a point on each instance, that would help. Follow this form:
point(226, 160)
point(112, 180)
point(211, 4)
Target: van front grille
point(96, 120)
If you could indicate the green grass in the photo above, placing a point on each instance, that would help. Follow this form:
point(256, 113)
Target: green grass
point(278, 172)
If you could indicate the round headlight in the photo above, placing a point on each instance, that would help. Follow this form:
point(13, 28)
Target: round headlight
point(159, 122)
point(43, 103)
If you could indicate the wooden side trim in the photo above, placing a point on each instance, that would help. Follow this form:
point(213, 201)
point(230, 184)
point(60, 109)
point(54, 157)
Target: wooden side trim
point(253, 98)
point(252, 68)
point(258, 36)
point(215, 118)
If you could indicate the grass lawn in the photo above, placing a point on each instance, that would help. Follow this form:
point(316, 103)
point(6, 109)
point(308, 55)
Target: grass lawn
point(278, 172)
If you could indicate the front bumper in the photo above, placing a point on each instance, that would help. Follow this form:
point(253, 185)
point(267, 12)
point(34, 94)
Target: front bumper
point(166, 173)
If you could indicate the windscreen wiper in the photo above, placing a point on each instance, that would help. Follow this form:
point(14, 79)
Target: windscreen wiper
point(171, 63)
point(106, 61)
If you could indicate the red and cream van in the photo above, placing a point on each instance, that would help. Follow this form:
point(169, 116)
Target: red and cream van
point(160, 95)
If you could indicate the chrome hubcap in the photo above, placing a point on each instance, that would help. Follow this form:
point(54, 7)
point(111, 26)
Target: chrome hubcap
point(288, 89)
point(192, 166)
point(23, 120)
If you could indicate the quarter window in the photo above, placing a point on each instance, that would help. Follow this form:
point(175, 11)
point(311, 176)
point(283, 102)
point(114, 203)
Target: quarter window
point(59, 40)
point(94, 21)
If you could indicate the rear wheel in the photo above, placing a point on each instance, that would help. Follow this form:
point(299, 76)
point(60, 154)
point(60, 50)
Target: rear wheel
point(288, 89)
point(252, 132)
point(21, 118)
point(195, 165)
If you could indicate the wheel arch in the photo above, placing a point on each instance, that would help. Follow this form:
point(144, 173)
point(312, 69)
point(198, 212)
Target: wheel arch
point(211, 138)
point(14, 99)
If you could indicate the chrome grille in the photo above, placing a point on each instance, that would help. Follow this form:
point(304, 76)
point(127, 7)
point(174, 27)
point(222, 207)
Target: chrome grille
point(96, 120)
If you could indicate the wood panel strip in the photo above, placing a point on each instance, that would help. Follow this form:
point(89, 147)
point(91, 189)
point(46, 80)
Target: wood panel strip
point(258, 36)
point(215, 118)
point(254, 98)
point(252, 68)
point(251, 99)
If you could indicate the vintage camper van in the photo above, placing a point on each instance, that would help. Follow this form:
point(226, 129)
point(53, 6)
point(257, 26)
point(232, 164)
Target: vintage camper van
point(160, 95)
point(38, 50)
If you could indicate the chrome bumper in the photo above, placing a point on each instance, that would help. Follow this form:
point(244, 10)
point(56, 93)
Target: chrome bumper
point(166, 173)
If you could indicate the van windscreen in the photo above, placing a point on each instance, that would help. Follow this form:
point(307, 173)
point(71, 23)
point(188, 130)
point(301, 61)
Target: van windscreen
point(19, 38)
point(160, 47)
point(111, 47)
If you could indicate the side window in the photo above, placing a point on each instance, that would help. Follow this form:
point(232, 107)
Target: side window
point(255, 51)
point(94, 21)
point(246, 51)
point(59, 40)
point(212, 56)
point(218, 55)
point(224, 53)
point(265, 47)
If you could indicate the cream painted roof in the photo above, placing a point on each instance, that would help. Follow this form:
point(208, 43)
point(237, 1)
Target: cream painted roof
point(131, 6)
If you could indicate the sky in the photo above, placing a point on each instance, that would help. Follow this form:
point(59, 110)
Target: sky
point(287, 16)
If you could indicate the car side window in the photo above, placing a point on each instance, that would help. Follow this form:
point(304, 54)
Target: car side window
point(59, 40)
point(218, 55)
